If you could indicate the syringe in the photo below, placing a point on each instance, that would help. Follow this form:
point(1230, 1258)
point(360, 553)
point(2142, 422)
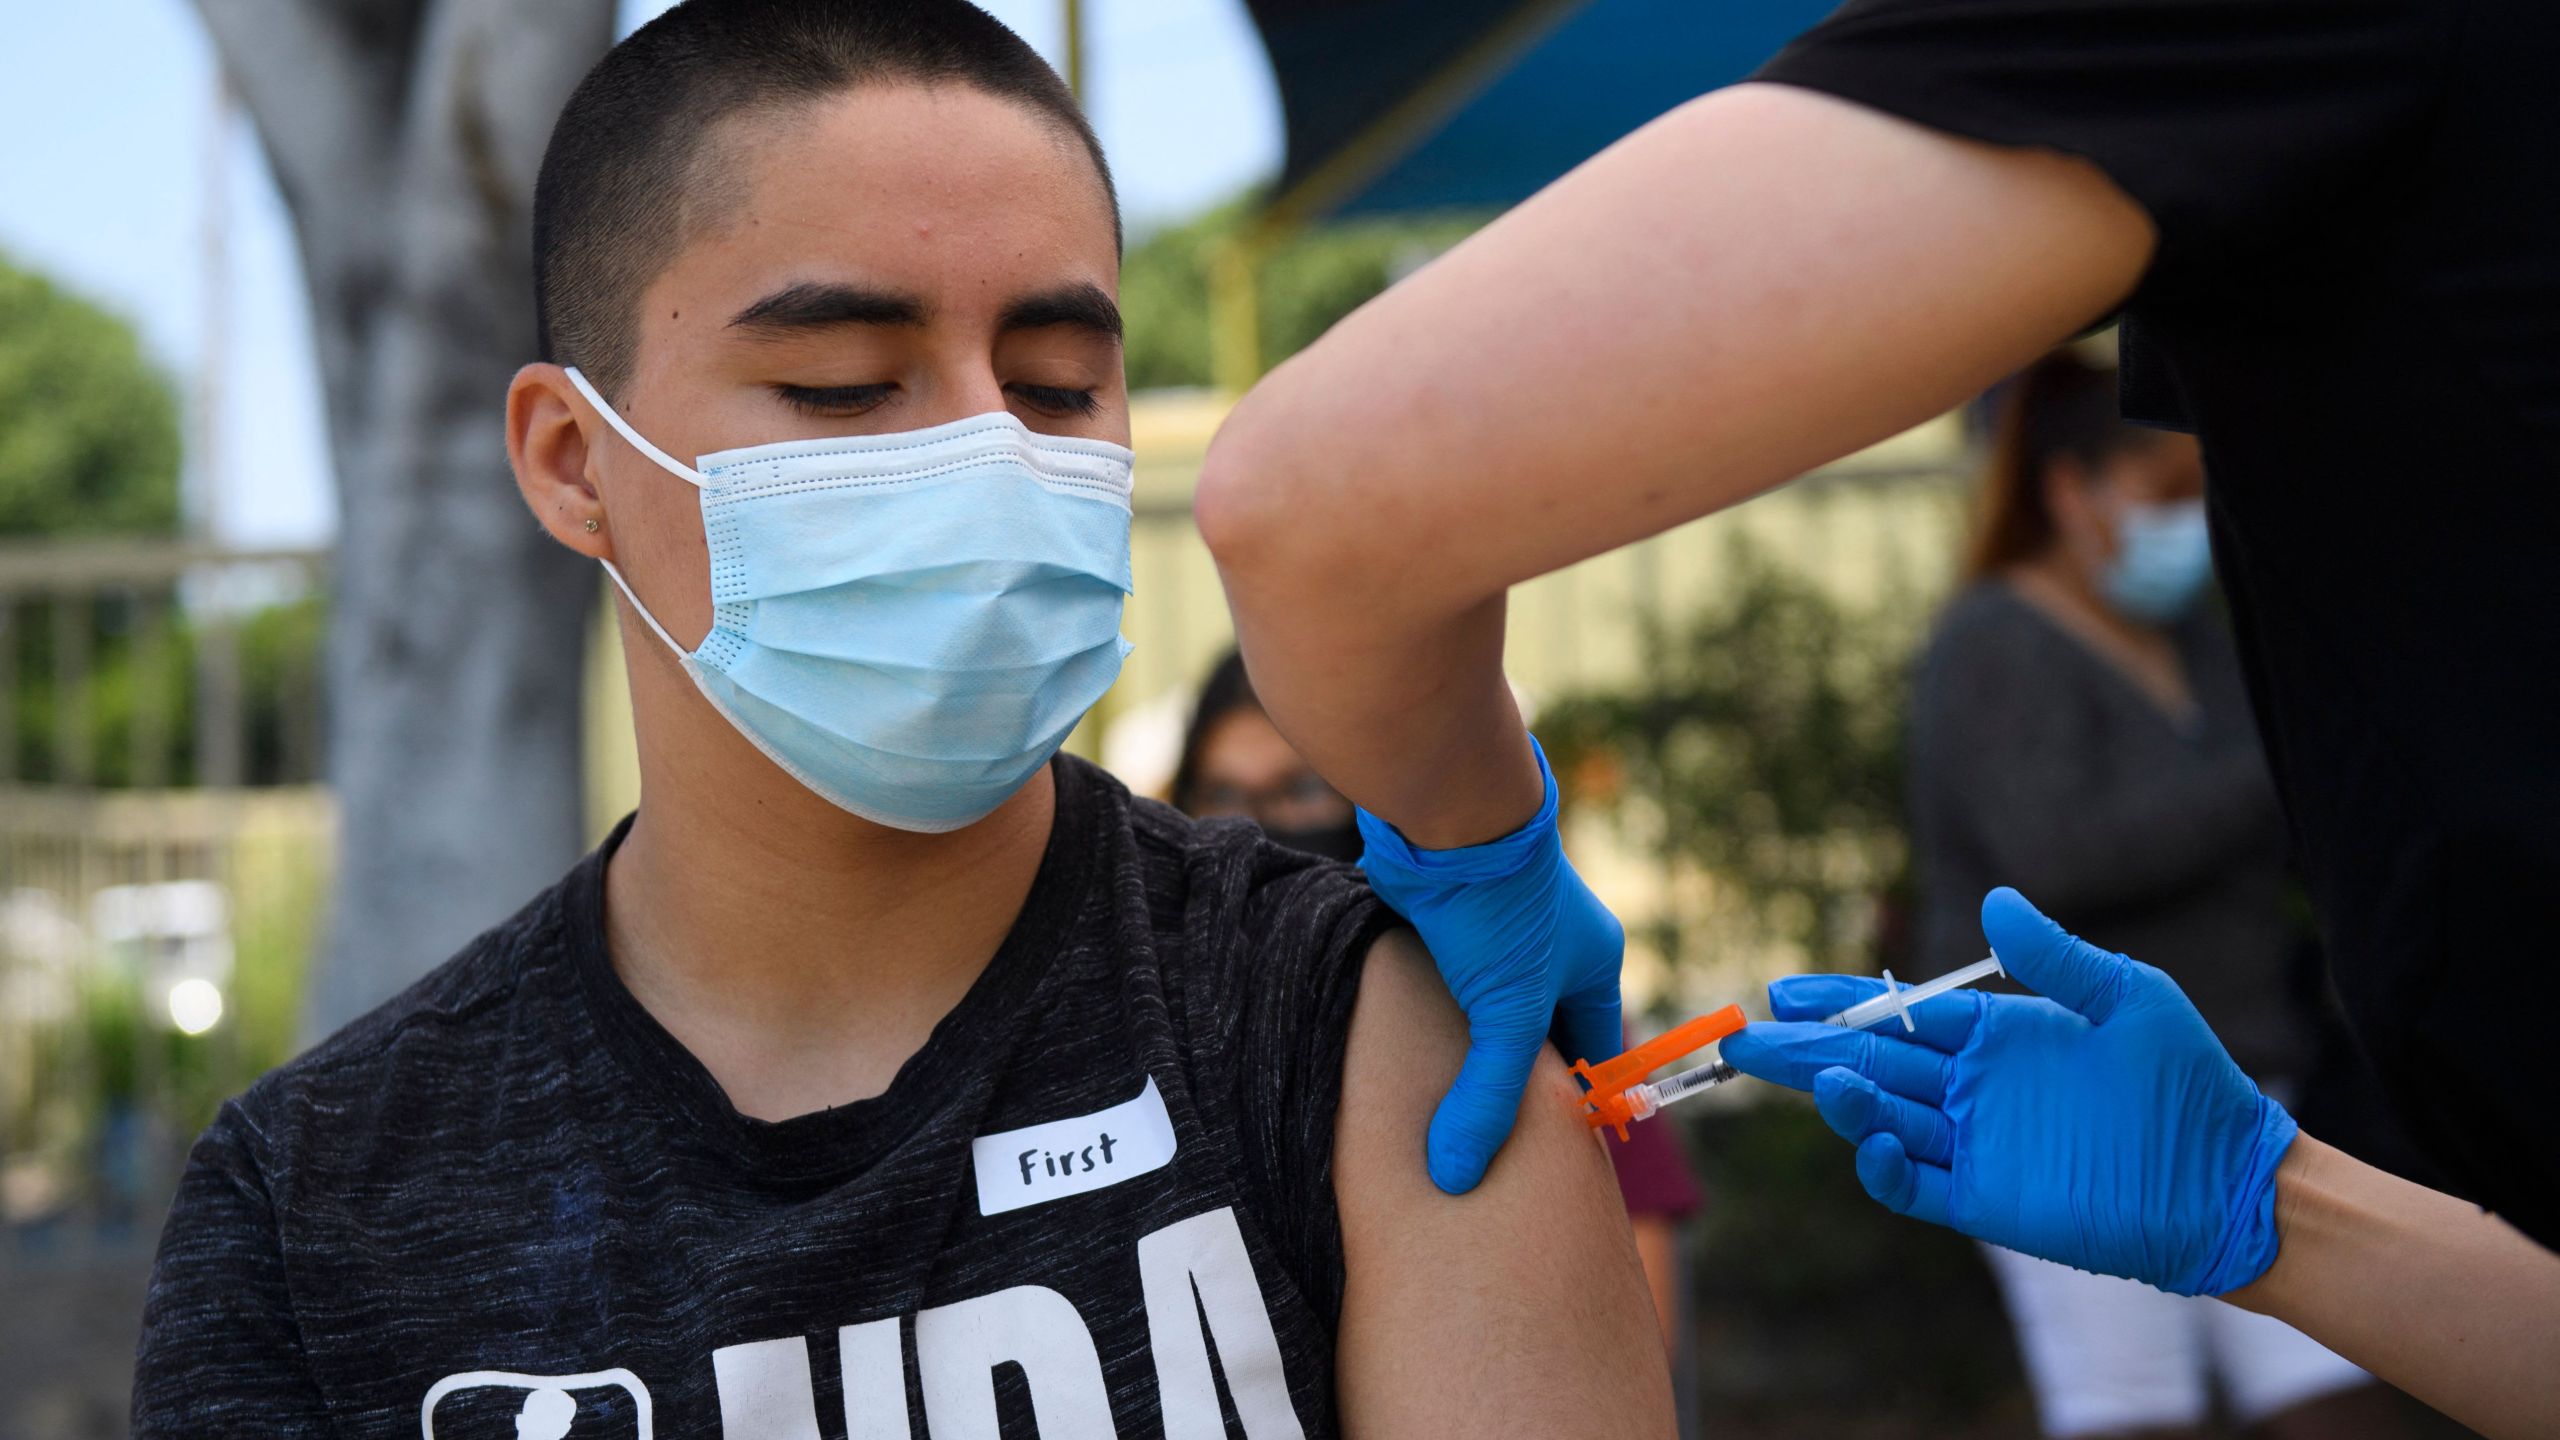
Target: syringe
point(1645, 1100)
point(1619, 1095)
point(1898, 1001)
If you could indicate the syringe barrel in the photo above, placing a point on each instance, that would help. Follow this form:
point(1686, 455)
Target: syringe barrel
point(1897, 1003)
point(1690, 1082)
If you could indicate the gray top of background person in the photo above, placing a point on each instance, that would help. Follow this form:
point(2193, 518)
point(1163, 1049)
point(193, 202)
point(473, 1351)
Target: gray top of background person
point(2036, 763)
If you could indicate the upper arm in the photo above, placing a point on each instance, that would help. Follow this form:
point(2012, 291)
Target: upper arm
point(1519, 1308)
point(221, 1351)
point(1776, 274)
point(1756, 283)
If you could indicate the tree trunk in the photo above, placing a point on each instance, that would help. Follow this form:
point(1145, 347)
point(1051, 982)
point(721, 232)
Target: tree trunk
point(405, 135)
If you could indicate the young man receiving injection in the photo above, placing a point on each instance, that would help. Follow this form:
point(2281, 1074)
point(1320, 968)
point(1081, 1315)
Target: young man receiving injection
point(882, 1075)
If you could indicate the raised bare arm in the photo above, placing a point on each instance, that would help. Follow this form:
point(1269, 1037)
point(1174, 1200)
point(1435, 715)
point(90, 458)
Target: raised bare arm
point(1757, 283)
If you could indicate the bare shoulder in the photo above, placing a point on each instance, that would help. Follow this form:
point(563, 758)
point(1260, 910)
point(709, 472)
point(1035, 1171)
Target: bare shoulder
point(1519, 1308)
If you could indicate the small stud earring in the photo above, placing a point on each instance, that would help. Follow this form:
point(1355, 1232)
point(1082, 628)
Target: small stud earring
point(591, 524)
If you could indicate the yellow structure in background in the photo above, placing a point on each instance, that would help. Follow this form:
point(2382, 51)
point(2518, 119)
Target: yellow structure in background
point(1880, 525)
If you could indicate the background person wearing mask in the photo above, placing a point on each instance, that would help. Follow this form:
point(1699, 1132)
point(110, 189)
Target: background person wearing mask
point(2080, 730)
point(1236, 762)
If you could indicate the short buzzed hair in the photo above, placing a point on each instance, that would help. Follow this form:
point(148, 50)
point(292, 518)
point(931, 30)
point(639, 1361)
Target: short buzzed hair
point(622, 189)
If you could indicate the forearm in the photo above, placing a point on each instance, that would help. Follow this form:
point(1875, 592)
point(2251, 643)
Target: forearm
point(1750, 286)
point(2424, 1290)
point(1414, 721)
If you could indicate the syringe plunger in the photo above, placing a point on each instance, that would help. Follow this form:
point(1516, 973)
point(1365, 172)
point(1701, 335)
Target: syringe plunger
point(1896, 1001)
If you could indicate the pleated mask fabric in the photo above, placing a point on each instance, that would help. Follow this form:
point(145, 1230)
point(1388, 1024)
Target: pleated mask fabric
point(909, 624)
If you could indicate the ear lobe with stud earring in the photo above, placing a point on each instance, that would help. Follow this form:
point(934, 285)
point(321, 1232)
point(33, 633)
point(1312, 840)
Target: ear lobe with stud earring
point(591, 524)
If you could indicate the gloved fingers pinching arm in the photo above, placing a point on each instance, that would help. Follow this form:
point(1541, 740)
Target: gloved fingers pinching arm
point(1525, 949)
point(1477, 1114)
point(1591, 1026)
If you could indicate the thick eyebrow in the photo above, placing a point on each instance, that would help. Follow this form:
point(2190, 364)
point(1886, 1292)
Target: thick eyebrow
point(810, 305)
point(1083, 306)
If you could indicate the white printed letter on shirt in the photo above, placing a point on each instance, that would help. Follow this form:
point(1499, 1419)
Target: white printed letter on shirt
point(765, 1390)
point(959, 1346)
point(1205, 1255)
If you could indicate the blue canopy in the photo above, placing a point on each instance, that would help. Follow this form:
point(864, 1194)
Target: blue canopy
point(1409, 105)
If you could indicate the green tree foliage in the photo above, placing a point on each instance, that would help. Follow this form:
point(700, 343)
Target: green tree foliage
point(1303, 284)
point(89, 448)
point(1765, 748)
point(88, 427)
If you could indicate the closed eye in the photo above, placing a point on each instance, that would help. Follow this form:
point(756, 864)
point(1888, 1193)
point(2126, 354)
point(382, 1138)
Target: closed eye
point(836, 400)
point(1055, 400)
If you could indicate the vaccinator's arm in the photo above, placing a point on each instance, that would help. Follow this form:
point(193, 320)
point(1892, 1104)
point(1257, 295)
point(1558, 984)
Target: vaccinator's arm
point(2456, 1307)
point(1757, 283)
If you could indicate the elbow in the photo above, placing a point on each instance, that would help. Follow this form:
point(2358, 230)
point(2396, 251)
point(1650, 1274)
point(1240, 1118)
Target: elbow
point(1239, 501)
point(1270, 503)
point(1222, 501)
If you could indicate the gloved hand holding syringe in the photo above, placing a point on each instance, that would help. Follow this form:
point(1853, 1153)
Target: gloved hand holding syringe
point(1620, 1095)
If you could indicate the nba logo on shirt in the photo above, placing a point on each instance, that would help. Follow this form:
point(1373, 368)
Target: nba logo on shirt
point(550, 1404)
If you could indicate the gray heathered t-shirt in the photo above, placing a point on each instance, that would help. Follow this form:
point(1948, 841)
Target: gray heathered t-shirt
point(1098, 1201)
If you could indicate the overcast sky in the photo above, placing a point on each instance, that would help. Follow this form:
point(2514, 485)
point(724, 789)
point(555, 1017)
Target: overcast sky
point(107, 106)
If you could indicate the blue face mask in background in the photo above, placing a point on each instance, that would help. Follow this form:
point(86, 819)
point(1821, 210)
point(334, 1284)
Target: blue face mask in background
point(909, 624)
point(2164, 559)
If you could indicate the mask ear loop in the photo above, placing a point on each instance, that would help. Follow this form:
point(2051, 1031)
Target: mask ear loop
point(639, 442)
point(645, 617)
point(665, 462)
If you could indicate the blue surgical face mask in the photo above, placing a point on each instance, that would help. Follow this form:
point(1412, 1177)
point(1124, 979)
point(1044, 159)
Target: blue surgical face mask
point(908, 624)
point(2164, 559)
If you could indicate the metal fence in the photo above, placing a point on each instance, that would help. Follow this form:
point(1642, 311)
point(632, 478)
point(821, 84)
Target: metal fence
point(163, 847)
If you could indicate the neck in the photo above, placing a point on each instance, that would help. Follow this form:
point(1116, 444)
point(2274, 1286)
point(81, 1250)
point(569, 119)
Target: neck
point(2067, 592)
point(800, 952)
point(2058, 583)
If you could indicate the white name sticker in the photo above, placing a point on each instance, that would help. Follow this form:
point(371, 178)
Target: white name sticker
point(1058, 1158)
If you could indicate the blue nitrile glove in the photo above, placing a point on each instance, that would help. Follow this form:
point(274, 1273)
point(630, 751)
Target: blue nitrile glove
point(1522, 942)
point(2109, 1130)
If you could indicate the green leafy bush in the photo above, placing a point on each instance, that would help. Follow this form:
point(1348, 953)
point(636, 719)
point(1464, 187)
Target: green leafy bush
point(1764, 748)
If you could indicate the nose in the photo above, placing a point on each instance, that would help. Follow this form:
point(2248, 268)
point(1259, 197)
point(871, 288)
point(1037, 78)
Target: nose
point(963, 384)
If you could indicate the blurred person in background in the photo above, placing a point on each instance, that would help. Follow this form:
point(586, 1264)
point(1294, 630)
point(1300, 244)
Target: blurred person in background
point(1235, 762)
point(2081, 731)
